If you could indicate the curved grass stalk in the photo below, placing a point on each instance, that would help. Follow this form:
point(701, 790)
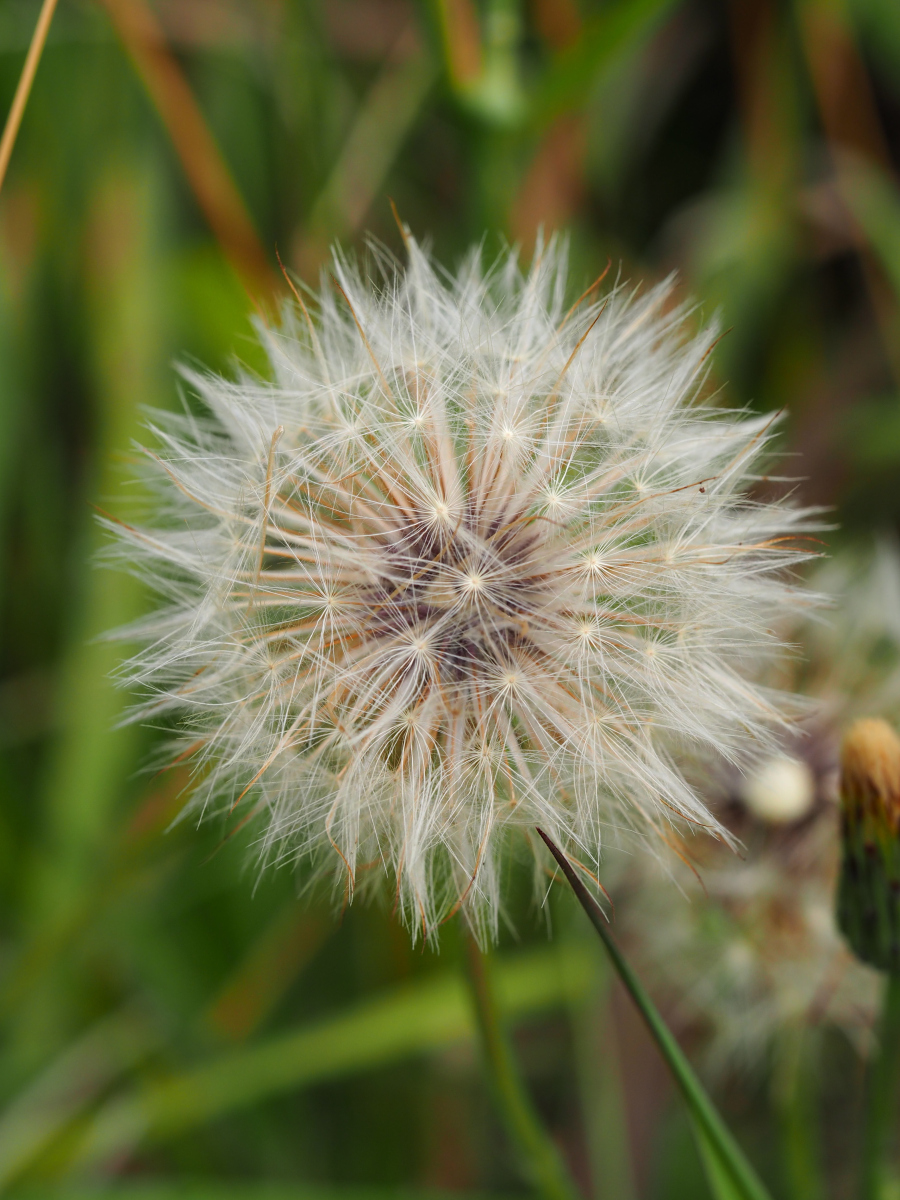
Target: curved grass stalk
point(207, 172)
point(731, 1176)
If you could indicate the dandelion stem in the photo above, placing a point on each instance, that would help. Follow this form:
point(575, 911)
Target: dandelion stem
point(795, 1098)
point(23, 89)
point(884, 1093)
point(539, 1156)
point(729, 1172)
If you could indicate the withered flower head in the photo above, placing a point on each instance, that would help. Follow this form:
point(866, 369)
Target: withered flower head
point(869, 889)
point(870, 773)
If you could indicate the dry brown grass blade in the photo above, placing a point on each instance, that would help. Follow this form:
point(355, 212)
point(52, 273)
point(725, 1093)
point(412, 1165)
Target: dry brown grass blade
point(461, 34)
point(206, 170)
point(553, 188)
point(23, 88)
point(850, 119)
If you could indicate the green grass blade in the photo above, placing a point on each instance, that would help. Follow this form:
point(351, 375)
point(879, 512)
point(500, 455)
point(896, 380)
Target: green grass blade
point(407, 1021)
point(379, 130)
point(68, 1086)
point(188, 1189)
point(91, 761)
point(12, 392)
point(796, 1101)
point(602, 42)
point(875, 203)
point(599, 1073)
point(718, 1175)
point(730, 1174)
point(539, 1158)
point(883, 1099)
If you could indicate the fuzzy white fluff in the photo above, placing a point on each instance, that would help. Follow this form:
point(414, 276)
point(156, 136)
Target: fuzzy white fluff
point(470, 561)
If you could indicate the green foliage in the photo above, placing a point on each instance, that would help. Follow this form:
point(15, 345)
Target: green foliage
point(728, 1172)
point(166, 1015)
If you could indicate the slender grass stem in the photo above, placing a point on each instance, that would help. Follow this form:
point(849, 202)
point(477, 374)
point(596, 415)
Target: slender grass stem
point(539, 1157)
point(729, 1171)
point(206, 170)
point(23, 88)
point(795, 1098)
point(850, 130)
point(599, 1073)
point(883, 1096)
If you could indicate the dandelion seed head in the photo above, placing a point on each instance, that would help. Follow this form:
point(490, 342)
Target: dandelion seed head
point(449, 574)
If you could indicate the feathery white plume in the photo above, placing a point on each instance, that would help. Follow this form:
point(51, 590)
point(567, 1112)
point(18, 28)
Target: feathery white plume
point(470, 561)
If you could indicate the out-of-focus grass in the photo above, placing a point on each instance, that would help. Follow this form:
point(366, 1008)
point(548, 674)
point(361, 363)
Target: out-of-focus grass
point(227, 1190)
point(415, 1018)
point(752, 146)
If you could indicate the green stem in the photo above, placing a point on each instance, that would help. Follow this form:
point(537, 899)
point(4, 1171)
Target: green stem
point(795, 1097)
point(884, 1085)
point(599, 1074)
point(539, 1156)
point(730, 1172)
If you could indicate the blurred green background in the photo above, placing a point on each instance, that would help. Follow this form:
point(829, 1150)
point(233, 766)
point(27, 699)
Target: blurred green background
point(173, 1025)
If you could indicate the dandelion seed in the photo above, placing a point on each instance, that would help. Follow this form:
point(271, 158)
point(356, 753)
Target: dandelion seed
point(449, 574)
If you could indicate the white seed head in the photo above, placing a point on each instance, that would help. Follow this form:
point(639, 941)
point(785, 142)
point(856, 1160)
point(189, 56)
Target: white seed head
point(469, 562)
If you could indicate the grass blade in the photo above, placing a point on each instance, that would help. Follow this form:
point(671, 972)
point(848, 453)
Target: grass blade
point(380, 128)
point(730, 1174)
point(194, 1189)
point(205, 168)
point(602, 42)
point(71, 1084)
point(26, 79)
point(874, 201)
point(539, 1157)
point(407, 1021)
